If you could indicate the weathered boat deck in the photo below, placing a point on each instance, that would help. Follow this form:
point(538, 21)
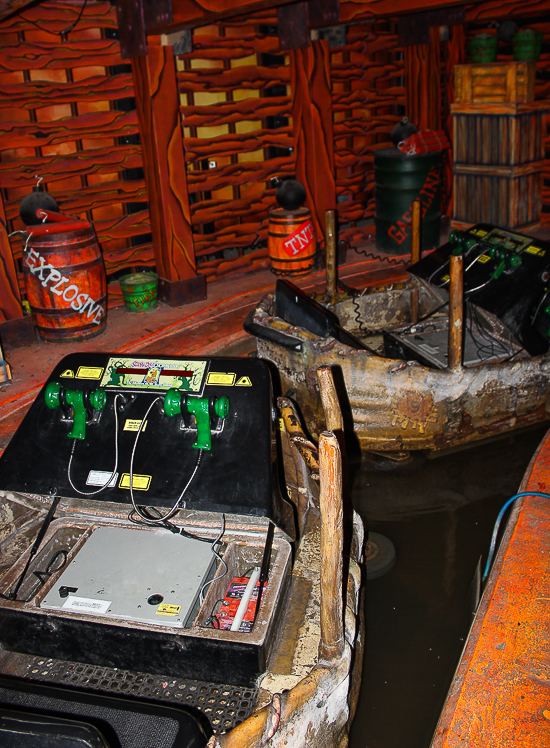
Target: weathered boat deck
point(210, 327)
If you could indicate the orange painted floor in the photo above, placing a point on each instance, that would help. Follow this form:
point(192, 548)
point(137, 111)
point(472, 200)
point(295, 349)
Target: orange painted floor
point(500, 695)
point(211, 327)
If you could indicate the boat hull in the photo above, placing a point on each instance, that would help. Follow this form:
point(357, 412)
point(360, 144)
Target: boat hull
point(402, 406)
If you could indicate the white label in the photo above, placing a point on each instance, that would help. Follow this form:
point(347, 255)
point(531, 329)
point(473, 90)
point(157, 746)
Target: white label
point(429, 348)
point(100, 478)
point(86, 605)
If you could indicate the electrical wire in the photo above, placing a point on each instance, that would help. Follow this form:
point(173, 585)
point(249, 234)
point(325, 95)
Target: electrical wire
point(58, 33)
point(497, 525)
point(220, 559)
point(113, 474)
point(147, 520)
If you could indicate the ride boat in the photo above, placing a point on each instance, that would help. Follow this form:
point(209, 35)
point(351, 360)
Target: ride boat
point(499, 694)
point(412, 376)
point(152, 570)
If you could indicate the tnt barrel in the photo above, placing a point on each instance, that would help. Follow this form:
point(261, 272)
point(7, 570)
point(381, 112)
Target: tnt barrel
point(399, 180)
point(65, 283)
point(291, 241)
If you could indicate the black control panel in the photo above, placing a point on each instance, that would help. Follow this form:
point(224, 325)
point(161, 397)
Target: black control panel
point(110, 427)
point(505, 273)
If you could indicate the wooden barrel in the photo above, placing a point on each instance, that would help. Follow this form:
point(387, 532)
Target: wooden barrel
point(291, 241)
point(66, 284)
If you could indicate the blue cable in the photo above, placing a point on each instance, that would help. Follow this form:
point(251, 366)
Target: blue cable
point(497, 525)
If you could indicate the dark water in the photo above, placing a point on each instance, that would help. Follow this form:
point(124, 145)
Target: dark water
point(418, 615)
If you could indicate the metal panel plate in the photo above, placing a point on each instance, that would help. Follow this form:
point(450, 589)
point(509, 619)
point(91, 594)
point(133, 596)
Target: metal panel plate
point(118, 570)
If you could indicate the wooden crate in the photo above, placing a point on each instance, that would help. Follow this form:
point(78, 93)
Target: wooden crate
point(495, 83)
point(498, 155)
point(510, 200)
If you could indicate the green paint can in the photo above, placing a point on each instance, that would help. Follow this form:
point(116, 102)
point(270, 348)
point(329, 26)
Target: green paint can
point(483, 48)
point(139, 291)
point(527, 45)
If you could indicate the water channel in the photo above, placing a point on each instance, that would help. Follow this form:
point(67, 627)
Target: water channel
point(440, 520)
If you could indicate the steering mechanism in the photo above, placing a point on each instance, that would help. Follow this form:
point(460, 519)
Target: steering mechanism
point(202, 408)
point(81, 402)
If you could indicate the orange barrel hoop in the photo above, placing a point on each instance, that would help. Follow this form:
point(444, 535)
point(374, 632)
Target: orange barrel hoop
point(65, 283)
point(291, 241)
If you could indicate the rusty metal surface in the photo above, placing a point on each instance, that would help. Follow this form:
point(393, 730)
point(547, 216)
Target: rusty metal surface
point(500, 695)
point(400, 405)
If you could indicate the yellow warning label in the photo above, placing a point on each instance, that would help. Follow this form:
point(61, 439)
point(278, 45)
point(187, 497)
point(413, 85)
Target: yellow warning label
point(281, 424)
point(483, 258)
point(89, 372)
point(479, 232)
point(244, 382)
point(219, 377)
point(139, 482)
point(535, 250)
point(165, 609)
point(446, 278)
point(67, 373)
point(133, 425)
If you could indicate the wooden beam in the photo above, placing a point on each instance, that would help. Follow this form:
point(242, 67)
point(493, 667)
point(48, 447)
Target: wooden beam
point(313, 129)
point(10, 301)
point(293, 25)
point(157, 105)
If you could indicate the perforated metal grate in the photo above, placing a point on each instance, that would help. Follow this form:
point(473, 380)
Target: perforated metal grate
point(225, 706)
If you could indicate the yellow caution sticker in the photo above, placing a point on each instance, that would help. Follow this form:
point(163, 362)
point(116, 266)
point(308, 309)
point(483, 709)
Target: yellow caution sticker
point(89, 372)
point(68, 373)
point(133, 425)
point(446, 278)
point(165, 609)
point(223, 378)
point(535, 250)
point(244, 382)
point(479, 232)
point(281, 424)
point(483, 258)
point(139, 482)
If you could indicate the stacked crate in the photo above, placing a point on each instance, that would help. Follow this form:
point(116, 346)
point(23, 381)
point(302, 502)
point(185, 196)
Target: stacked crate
point(498, 145)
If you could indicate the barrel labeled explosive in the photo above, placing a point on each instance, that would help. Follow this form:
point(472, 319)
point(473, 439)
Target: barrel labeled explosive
point(399, 180)
point(291, 241)
point(65, 283)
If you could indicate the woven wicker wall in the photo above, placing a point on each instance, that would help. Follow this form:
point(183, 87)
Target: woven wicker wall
point(67, 114)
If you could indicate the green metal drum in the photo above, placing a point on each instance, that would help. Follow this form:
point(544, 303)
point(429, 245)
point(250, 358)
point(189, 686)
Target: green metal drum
point(399, 180)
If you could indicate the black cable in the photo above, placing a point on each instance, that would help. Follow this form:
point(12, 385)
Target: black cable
point(114, 471)
point(64, 31)
point(137, 510)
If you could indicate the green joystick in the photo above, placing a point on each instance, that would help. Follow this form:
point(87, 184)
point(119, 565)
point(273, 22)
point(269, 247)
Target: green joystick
point(200, 407)
point(456, 239)
point(498, 254)
point(56, 395)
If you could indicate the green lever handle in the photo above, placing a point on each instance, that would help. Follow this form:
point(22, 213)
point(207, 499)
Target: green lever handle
point(456, 239)
point(55, 396)
point(200, 408)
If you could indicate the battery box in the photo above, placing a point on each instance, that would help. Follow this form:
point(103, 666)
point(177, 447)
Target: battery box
point(506, 274)
point(119, 436)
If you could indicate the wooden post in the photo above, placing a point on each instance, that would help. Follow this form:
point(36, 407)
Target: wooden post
point(10, 300)
point(456, 312)
point(331, 258)
point(312, 128)
point(329, 399)
point(416, 253)
point(157, 105)
point(331, 645)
